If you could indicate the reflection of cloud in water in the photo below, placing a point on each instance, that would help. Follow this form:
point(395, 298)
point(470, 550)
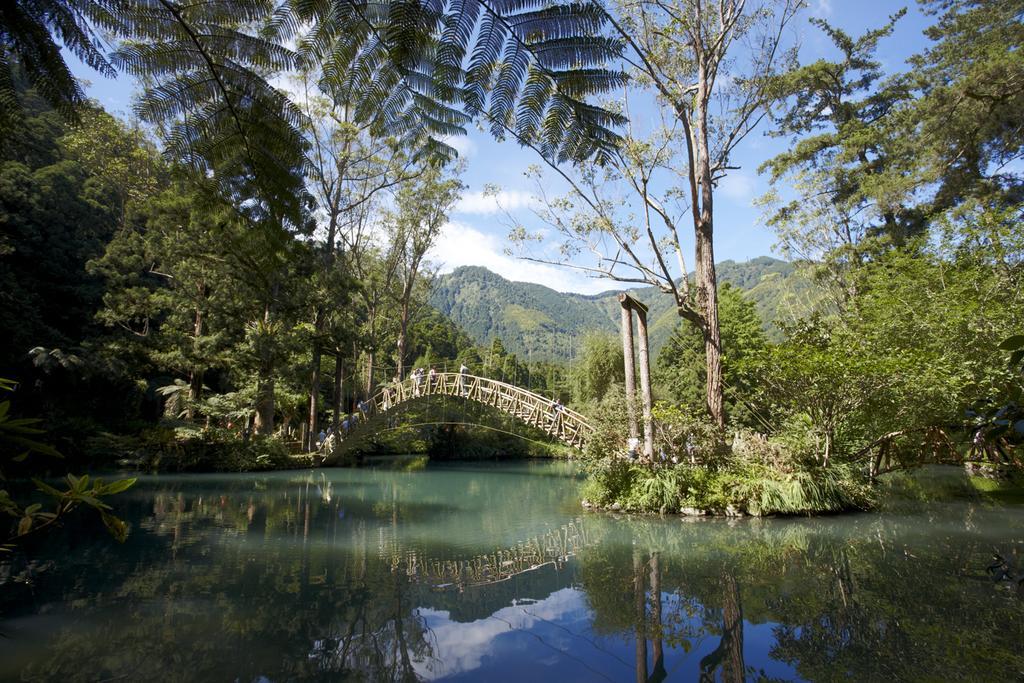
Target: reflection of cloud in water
point(464, 647)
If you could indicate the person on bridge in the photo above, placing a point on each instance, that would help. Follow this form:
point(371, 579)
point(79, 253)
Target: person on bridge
point(417, 377)
point(431, 380)
point(556, 412)
point(463, 371)
point(391, 392)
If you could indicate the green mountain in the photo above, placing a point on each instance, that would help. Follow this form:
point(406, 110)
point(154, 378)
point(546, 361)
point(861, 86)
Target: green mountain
point(537, 322)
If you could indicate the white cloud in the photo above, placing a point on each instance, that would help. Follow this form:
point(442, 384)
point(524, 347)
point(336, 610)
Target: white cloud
point(462, 647)
point(504, 200)
point(822, 8)
point(738, 186)
point(463, 245)
point(462, 144)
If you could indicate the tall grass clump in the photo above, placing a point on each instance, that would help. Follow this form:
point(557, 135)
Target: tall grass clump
point(765, 491)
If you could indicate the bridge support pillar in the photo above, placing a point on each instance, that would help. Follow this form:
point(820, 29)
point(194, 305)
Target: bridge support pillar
point(629, 304)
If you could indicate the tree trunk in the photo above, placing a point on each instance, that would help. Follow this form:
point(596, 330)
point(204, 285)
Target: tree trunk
point(658, 672)
point(640, 616)
point(707, 280)
point(265, 388)
point(314, 381)
point(369, 373)
point(627, 355)
point(645, 386)
point(264, 424)
point(336, 398)
point(707, 301)
point(195, 379)
point(403, 331)
point(400, 352)
point(319, 322)
point(195, 389)
point(729, 654)
point(734, 668)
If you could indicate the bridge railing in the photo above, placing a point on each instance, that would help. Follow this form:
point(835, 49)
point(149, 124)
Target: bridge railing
point(553, 547)
point(564, 424)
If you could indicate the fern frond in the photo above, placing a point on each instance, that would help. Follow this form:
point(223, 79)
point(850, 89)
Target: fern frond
point(526, 66)
point(222, 114)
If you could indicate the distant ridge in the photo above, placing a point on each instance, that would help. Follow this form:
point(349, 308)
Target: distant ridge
point(538, 322)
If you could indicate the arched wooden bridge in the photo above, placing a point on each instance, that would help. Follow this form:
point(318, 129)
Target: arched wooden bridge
point(561, 423)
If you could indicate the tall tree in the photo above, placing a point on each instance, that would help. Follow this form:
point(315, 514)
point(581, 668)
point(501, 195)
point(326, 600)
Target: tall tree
point(710, 68)
point(421, 212)
point(970, 112)
point(845, 160)
point(876, 160)
point(348, 167)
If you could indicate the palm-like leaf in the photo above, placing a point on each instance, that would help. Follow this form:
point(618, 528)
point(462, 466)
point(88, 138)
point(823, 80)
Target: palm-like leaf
point(525, 66)
point(208, 65)
point(417, 69)
point(29, 31)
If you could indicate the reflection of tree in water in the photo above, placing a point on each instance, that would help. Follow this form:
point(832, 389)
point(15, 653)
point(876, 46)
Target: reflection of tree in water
point(728, 656)
point(277, 606)
point(866, 598)
point(652, 614)
point(887, 612)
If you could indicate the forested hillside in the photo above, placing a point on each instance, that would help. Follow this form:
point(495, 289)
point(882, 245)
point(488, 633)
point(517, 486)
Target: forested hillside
point(540, 323)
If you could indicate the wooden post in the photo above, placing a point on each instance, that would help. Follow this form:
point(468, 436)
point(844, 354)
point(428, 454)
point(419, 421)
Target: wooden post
point(627, 355)
point(645, 383)
point(336, 398)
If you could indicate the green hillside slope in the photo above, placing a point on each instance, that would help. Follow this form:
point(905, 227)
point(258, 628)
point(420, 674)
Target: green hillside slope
point(538, 322)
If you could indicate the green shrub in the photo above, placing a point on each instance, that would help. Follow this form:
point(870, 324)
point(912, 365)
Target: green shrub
point(799, 439)
point(757, 488)
point(610, 480)
point(688, 436)
point(187, 449)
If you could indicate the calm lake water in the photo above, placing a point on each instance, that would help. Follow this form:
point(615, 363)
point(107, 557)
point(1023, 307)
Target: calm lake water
point(493, 573)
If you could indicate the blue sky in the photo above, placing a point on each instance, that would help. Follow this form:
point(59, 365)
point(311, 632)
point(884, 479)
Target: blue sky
point(477, 231)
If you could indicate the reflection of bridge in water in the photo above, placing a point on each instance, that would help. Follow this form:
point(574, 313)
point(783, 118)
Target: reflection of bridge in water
point(557, 421)
point(550, 548)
